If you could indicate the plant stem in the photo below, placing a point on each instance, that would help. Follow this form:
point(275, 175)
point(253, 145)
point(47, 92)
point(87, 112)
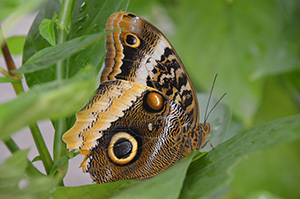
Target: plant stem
point(58, 145)
point(41, 146)
point(64, 22)
point(11, 66)
point(31, 170)
point(63, 26)
point(35, 131)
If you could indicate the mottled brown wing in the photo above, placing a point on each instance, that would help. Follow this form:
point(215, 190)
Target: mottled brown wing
point(137, 51)
point(124, 136)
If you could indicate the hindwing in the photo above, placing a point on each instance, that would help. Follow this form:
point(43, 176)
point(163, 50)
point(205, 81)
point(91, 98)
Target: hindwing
point(120, 111)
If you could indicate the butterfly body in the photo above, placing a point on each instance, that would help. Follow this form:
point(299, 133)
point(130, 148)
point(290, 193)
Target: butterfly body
point(144, 116)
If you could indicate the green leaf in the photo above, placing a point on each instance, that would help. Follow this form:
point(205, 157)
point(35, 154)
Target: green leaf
point(52, 100)
point(211, 172)
point(46, 29)
point(15, 44)
point(280, 166)
point(89, 17)
point(103, 191)
point(275, 94)
point(50, 55)
point(37, 188)
point(60, 162)
point(15, 9)
point(12, 170)
point(165, 185)
point(36, 158)
point(151, 188)
point(8, 79)
point(7, 7)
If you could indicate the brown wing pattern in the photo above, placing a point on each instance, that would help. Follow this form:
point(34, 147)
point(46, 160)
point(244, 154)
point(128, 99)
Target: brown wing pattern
point(137, 51)
point(118, 108)
point(144, 116)
point(106, 107)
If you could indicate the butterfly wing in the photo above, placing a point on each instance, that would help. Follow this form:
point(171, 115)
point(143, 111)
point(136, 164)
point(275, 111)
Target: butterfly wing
point(137, 51)
point(144, 116)
point(125, 136)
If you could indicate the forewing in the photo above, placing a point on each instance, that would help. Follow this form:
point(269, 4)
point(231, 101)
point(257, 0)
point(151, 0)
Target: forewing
point(152, 61)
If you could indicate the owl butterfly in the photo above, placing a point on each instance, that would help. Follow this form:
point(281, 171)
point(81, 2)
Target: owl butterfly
point(144, 116)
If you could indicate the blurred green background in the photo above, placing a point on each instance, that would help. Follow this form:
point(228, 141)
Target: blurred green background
point(254, 47)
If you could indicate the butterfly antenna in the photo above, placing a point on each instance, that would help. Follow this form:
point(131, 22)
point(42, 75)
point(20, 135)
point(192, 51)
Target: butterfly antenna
point(214, 107)
point(209, 97)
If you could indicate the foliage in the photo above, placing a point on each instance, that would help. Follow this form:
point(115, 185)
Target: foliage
point(252, 45)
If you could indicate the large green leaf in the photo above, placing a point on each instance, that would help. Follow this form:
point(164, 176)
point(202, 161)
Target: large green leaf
point(275, 170)
point(49, 55)
point(89, 17)
point(211, 173)
point(52, 100)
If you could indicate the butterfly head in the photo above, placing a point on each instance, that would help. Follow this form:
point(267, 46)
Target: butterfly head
point(202, 131)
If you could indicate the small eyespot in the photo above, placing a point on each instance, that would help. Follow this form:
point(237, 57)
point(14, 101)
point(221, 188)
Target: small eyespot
point(153, 101)
point(122, 148)
point(150, 127)
point(132, 16)
point(132, 40)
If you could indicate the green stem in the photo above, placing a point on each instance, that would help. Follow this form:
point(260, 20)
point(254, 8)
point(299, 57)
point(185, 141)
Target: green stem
point(35, 131)
point(41, 146)
point(58, 145)
point(63, 26)
point(31, 170)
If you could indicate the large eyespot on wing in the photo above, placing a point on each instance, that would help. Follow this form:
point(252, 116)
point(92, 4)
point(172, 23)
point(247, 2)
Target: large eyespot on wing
point(137, 51)
point(122, 148)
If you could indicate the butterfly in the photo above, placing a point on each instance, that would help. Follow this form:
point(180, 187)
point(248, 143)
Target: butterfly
point(144, 116)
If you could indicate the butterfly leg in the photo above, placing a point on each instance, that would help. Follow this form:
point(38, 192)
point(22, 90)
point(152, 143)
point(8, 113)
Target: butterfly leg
point(205, 143)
